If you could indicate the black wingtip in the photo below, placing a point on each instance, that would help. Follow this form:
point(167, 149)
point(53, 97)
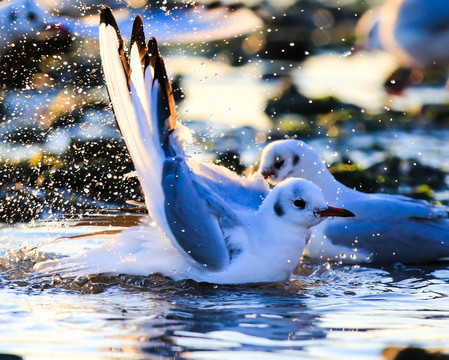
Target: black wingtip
point(106, 16)
point(153, 43)
point(138, 36)
point(153, 48)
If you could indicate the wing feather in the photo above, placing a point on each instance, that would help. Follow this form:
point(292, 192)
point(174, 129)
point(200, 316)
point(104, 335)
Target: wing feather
point(408, 241)
point(128, 96)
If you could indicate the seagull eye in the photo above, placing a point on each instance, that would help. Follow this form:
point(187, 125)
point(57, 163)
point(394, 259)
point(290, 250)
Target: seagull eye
point(278, 164)
point(300, 203)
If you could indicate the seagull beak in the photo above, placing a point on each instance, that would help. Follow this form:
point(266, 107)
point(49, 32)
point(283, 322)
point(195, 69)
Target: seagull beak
point(332, 211)
point(267, 174)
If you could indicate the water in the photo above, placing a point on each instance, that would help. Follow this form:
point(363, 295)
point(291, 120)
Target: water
point(323, 312)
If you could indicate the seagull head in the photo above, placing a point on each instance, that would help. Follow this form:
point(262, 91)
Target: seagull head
point(290, 158)
point(300, 203)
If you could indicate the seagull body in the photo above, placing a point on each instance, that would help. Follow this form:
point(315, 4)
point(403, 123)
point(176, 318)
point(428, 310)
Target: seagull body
point(416, 32)
point(386, 229)
point(208, 224)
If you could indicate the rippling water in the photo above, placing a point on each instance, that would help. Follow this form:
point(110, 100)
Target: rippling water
point(323, 312)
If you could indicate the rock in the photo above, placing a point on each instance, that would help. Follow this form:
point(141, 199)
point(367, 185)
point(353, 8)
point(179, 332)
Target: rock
point(411, 353)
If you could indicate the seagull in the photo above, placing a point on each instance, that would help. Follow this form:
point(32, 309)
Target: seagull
point(386, 229)
point(207, 223)
point(415, 32)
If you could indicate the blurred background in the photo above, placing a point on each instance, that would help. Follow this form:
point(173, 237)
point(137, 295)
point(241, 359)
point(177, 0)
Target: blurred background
point(363, 81)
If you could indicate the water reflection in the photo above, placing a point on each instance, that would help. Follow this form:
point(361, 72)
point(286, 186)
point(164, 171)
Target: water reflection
point(220, 319)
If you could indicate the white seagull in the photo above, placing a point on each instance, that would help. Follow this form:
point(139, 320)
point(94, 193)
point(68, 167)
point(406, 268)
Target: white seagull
point(386, 229)
point(416, 32)
point(207, 223)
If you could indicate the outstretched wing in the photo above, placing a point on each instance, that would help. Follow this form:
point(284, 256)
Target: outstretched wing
point(131, 107)
point(142, 98)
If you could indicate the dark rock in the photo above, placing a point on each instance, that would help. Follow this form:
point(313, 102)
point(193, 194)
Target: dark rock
point(10, 357)
point(81, 280)
point(354, 177)
point(412, 353)
point(394, 171)
point(291, 101)
point(390, 176)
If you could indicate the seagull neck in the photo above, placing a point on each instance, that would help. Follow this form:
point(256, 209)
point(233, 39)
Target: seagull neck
point(282, 242)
